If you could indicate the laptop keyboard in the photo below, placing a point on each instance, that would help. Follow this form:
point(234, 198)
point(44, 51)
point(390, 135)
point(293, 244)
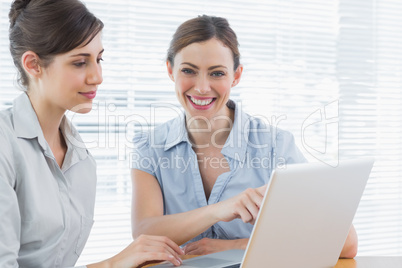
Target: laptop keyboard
point(233, 266)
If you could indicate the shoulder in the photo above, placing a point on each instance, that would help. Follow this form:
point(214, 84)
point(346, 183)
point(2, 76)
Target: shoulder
point(283, 135)
point(264, 129)
point(8, 143)
point(7, 132)
point(160, 135)
point(6, 117)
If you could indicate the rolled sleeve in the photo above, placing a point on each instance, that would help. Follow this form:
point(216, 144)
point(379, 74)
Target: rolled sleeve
point(286, 149)
point(140, 158)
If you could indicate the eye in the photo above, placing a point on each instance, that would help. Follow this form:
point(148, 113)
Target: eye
point(79, 64)
point(99, 60)
point(217, 74)
point(187, 71)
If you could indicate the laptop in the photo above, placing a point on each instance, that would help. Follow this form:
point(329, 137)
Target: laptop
point(304, 220)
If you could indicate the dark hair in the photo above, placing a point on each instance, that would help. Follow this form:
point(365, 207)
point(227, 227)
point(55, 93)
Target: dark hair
point(48, 28)
point(201, 29)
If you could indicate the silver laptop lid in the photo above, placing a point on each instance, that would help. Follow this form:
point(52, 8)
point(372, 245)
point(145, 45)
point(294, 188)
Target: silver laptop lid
point(306, 214)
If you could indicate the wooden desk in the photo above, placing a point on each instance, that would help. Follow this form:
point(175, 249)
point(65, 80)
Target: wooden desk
point(358, 262)
point(370, 262)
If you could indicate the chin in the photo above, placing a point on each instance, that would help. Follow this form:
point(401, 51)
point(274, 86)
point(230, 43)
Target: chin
point(82, 108)
point(84, 111)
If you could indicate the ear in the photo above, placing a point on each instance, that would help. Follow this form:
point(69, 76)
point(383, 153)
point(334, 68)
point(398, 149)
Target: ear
point(170, 70)
point(237, 75)
point(30, 61)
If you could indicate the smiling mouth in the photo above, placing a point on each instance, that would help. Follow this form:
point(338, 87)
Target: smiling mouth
point(201, 102)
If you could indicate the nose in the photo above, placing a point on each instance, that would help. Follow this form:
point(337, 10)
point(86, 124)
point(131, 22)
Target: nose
point(94, 75)
point(202, 85)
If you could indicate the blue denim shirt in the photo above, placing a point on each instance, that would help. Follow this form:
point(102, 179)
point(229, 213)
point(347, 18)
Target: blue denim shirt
point(251, 150)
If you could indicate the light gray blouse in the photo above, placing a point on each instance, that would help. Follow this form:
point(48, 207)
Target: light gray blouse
point(46, 213)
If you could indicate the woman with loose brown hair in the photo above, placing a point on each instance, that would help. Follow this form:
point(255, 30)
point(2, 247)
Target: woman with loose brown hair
point(47, 176)
point(200, 178)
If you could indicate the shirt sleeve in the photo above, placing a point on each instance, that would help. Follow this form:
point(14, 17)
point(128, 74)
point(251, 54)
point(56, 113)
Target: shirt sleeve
point(10, 220)
point(141, 157)
point(286, 150)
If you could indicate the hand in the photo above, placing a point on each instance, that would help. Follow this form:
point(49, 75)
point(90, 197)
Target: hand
point(208, 246)
point(145, 248)
point(244, 205)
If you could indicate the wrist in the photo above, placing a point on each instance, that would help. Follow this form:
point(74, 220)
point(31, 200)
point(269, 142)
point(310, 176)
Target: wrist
point(242, 243)
point(213, 213)
point(103, 264)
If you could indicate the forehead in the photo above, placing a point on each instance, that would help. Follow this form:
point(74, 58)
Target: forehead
point(93, 47)
point(211, 52)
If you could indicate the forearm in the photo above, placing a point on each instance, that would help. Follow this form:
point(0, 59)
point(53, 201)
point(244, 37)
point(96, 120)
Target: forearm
point(349, 249)
point(208, 246)
point(180, 227)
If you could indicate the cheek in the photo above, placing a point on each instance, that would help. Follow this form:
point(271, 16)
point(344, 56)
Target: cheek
point(222, 86)
point(67, 81)
point(183, 85)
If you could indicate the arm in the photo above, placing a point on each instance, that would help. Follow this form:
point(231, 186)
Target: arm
point(148, 218)
point(349, 250)
point(208, 246)
point(10, 224)
point(10, 219)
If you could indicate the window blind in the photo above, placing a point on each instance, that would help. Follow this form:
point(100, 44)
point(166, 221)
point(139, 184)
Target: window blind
point(328, 71)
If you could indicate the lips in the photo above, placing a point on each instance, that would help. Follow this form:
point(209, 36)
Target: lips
point(90, 95)
point(201, 103)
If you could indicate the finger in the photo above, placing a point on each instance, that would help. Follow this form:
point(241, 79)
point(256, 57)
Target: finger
point(158, 256)
point(252, 207)
point(190, 247)
point(257, 200)
point(252, 201)
point(257, 195)
point(262, 189)
point(165, 242)
point(244, 214)
point(162, 249)
point(196, 248)
point(173, 246)
point(194, 251)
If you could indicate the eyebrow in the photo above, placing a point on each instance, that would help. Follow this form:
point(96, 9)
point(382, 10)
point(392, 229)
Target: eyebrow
point(210, 68)
point(86, 54)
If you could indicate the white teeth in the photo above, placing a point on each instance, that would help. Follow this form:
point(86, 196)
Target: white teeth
point(201, 102)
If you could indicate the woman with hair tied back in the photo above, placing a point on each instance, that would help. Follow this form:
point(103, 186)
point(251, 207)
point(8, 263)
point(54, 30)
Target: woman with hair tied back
point(200, 178)
point(47, 176)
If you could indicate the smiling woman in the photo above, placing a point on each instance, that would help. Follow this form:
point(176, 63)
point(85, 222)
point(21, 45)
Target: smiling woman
point(207, 207)
point(203, 74)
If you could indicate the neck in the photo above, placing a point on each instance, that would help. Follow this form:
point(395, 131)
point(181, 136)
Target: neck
point(211, 131)
point(49, 119)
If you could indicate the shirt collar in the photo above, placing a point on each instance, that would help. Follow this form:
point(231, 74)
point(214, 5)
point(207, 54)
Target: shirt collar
point(76, 146)
point(177, 133)
point(236, 144)
point(26, 125)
